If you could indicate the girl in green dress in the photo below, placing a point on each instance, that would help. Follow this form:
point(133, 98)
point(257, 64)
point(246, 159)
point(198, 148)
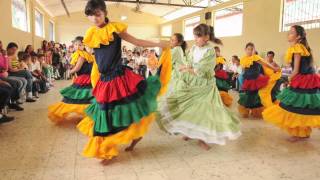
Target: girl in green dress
point(194, 107)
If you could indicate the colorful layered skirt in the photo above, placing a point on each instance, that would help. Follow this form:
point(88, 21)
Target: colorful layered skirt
point(76, 99)
point(299, 107)
point(249, 99)
point(223, 85)
point(122, 111)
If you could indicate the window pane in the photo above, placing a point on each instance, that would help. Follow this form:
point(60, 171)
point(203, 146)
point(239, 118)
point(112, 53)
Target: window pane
point(228, 21)
point(301, 12)
point(189, 10)
point(19, 14)
point(51, 31)
point(166, 30)
point(189, 25)
point(39, 24)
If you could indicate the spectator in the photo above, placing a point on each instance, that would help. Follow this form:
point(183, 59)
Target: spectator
point(17, 72)
point(270, 59)
point(237, 71)
point(29, 50)
point(5, 94)
point(56, 63)
point(152, 63)
point(39, 77)
point(16, 85)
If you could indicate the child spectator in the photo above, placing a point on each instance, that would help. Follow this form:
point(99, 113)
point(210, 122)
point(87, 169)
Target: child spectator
point(16, 71)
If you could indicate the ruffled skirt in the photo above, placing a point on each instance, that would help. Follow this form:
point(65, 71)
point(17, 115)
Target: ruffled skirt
point(76, 99)
point(122, 111)
point(197, 111)
point(299, 107)
point(250, 101)
point(223, 86)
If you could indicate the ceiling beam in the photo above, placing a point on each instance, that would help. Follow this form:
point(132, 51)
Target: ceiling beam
point(156, 3)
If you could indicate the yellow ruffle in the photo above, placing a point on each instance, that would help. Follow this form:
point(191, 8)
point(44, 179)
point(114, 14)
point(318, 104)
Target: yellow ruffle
point(247, 61)
point(61, 111)
point(265, 93)
point(95, 74)
point(84, 54)
point(96, 36)
point(220, 60)
point(107, 147)
point(226, 98)
point(296, 49)
point(166, 69)
point(288, 120)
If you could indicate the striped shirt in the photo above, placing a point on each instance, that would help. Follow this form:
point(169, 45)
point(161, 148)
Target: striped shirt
point(14, 62)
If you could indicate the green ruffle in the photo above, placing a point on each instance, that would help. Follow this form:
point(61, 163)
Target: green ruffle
point(249, 100)
point(125, 114)
point(299, 100)
point(223, 85)
point(71, 92)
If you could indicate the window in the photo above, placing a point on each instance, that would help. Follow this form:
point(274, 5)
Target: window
point(189, 24)
point(300, 12)
point(189, 10)
point(51, 31)
point(166, 30)
point(228, 21)
point(39, 23)
point(19, 14)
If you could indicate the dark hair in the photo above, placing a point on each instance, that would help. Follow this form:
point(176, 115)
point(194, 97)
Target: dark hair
point(271, 52)
point(95, 5)
point(216, 48)
point(23, 55)
point(181, 41)
point(78, 38)
point(250, 44)
point(205, 30)
point(303, 37)
point(236, 57)
point(27, 48)
point(12, 45)
point(40, 55)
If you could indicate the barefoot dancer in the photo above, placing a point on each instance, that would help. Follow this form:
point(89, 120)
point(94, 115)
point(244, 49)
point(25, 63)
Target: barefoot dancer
point(124, 101)
point(194, 108)
point(77, 97)
point(299, 108)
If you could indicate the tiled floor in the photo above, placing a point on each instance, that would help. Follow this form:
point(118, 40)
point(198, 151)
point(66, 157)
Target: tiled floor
point(34, 148)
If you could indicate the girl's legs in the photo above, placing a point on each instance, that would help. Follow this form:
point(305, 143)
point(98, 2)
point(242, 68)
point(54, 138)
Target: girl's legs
point(133, 144)
point(203, 145)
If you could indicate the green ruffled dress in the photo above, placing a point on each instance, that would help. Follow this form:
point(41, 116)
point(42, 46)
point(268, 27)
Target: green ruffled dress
point(193, 106)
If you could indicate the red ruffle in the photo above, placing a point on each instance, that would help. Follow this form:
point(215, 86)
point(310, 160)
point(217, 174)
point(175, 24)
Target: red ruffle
point(255, 84)
point(306, 81)
point(221, 74)
point(82, 80)
point(118, 88)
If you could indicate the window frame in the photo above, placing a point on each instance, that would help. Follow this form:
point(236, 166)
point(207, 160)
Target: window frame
point(53, 31)
point(162, 30)
point(305, 23)
point(36, 10)
point(27, 24)
point(185, 27)
point(229, 15)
